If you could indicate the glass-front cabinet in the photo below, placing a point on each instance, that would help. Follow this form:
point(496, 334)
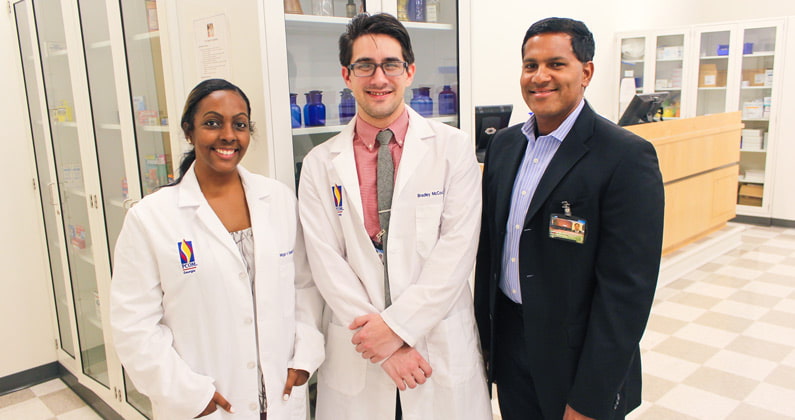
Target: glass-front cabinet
point(319, 102)
point(713, 68)
point(310, 102)
point(758, 71)
point(96, 100)
point(725, 68)
point(653, 62)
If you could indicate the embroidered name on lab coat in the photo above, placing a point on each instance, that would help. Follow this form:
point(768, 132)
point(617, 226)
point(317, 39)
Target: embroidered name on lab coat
point(285, 254)
point(430, 194)
point(186, 256)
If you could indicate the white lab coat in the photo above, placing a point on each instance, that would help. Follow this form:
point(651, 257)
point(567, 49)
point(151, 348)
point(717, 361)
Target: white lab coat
point(181, 334)
point(433, 234)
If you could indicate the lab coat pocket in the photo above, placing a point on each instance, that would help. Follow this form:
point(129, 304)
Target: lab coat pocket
point(452, 349)
point(427, 225)
point(344, 369)
point(296, 405)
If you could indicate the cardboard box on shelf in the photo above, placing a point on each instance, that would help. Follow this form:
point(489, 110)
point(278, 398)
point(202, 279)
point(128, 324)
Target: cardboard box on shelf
point(708, 75)
point(754, 77)
point(750, 195)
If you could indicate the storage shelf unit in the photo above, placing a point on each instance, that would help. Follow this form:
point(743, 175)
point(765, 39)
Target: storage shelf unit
point(723, 68)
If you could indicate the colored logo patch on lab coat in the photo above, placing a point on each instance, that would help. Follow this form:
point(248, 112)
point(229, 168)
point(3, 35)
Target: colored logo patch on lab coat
point(186, 256)
point(336, 191)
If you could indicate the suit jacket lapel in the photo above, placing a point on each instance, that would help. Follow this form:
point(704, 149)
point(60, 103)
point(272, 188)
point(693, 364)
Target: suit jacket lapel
point(571, 150)
point(507, 170)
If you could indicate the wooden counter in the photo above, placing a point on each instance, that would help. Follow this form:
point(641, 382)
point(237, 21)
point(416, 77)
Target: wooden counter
point(699, 160)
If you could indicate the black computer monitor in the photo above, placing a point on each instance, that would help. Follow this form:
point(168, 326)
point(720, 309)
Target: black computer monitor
point(489, 119)
point(643, 108)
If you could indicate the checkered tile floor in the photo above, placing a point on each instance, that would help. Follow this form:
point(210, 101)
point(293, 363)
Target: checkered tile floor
point(720, 343)
point(46, 401)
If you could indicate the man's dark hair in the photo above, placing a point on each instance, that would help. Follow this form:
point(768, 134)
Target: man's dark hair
point(365, 24)
point(582, 42)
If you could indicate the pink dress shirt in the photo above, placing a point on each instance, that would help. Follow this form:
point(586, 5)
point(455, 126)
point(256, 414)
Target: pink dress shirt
point(365, 153)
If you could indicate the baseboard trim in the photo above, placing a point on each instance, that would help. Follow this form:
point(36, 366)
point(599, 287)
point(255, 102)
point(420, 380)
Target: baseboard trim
point(28, 378)
point(101, 407)
point(694, 255)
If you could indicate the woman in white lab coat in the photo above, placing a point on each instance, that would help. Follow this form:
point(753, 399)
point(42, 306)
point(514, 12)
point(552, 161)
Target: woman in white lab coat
point(207, 272)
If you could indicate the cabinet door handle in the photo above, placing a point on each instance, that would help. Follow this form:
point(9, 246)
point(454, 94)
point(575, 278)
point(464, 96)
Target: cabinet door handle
point(128, 203)
point(53, 194)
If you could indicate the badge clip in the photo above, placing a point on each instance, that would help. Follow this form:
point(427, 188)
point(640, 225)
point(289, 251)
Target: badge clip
point(566, 208)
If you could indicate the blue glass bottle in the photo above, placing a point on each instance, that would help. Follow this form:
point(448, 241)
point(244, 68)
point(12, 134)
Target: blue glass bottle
point(416, 102)
point(426, 109)
point(417, 10)
point(347, 106)
point(295, 111)
point(314, 110)
point(448, 102)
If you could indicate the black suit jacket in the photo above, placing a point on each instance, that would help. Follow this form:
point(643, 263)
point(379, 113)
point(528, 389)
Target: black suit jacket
point(585, 305)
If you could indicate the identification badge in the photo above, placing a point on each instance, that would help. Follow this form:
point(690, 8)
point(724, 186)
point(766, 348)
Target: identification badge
point(567, 227)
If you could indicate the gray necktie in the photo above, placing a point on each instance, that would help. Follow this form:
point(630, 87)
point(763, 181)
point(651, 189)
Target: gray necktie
point(386, 178)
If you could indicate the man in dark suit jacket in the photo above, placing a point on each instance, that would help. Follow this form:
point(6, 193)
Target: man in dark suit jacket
point(570, 243)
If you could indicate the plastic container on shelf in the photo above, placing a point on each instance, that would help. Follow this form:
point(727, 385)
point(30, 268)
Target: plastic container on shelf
point(448, 101)
point(314, 110)
point(295, 111)
point(347, 106)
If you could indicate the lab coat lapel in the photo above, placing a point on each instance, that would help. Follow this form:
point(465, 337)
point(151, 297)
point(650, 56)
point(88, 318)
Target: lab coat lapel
point(570, 151)
point(344, 165)
point(190, 195)
point(258, 198)
point(414, 150)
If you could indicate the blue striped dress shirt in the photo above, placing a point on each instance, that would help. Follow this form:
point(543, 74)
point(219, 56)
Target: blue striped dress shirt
point(537, 155)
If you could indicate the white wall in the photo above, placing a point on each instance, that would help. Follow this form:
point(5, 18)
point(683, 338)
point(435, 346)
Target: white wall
point(26, 326)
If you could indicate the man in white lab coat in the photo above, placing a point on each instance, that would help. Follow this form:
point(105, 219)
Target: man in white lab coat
point(425, 343)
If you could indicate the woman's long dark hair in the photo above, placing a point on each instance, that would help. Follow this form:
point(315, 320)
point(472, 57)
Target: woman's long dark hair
point(196, 95)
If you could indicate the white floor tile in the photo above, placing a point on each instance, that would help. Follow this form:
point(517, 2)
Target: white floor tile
point(697, 403)
point(706, 335)
point(48, 387)
point(712, 290)
point(741, 364)
point(668, 367)
point(677, 311)
point(773, 398)
point(770, 332)
point(85, 413)
point(786, 305)
point(739, 272)
point(743, 310)
point(769, 289)
point(651, 339)
point(32, 409)
point(783, 270)
point(764, 257)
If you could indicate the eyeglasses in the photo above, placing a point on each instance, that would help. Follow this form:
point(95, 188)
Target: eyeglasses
point(390, 68)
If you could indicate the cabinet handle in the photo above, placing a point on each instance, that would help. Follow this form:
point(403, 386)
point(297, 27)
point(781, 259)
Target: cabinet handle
point(53, 194)
point(128, 203)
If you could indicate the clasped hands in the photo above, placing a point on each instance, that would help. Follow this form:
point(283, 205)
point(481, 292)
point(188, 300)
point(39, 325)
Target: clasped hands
point(377, 342)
